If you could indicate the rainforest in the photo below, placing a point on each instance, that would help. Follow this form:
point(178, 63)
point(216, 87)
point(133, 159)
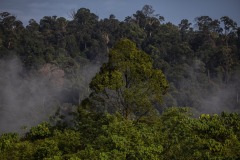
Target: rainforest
point(141, 88)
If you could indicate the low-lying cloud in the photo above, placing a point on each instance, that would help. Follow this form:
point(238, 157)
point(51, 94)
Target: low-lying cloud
point(24, 98)
point(28, 98)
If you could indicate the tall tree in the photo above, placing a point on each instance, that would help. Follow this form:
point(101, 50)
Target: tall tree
point(11, 29)
point(184, 26)
point(230, 27)
point(128, 83)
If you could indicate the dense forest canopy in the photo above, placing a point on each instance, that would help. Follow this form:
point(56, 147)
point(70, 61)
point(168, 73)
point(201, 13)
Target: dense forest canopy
point(110, 88)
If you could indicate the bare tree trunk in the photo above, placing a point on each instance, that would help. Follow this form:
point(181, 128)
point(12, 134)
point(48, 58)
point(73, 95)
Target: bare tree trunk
point(9, 45)
point(208, 75)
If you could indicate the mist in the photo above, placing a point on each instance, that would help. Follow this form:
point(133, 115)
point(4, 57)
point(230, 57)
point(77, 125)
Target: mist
point(220, 101)
point(222, 98)
point(23, 97)
point(28, 98)
point(206, 93)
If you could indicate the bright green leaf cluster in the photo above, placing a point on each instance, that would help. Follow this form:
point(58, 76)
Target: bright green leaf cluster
point(175, 134)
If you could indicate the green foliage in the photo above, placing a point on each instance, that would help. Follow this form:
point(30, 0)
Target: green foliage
point(129, 81)
point(62, 42)
point(118, 138)
point(46, 149)
point(206, 137)
point(125, 140)
point(69, 141)
point(6, 140)
point(175, 134)
point(143, 54)
point(40, 131)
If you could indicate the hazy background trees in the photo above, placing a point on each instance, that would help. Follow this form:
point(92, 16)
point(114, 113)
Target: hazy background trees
point(108, 87)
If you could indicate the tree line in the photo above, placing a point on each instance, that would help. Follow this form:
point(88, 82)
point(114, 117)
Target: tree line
point(147, 67)
point(196, 58)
